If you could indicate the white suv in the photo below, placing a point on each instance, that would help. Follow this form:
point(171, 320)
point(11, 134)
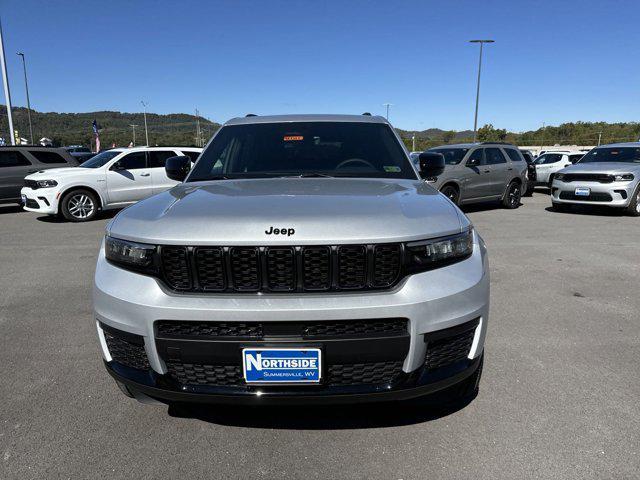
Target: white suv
point(549, 163)
point(112, 179)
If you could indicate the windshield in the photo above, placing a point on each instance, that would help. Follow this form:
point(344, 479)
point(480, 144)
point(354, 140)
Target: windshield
point(335, 149)
point(100, 159)
point(612, 154)
point(452, 156)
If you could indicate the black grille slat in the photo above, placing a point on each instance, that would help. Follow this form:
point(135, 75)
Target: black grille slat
point(448, 350)
point(386, 265)
point(379, 373)
point(210, 269)
point(245, 268)
point(125, 351)
point(209, 329)
point(175, 265)
point(316, 265)
point(352, 266)
point(280, 269)
point(588, 177)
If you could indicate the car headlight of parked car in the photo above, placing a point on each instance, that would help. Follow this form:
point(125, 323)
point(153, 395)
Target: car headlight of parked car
point(130, 255)
point(46, 183)
point(430, 254)
point(624, 177)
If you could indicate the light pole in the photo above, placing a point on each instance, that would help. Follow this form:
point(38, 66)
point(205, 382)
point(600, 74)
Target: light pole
point(7, 93)
point(387, 105)
point(134, 133)
point(26, 87)
point(413, 142)
point(475, 119)
point(146, 132)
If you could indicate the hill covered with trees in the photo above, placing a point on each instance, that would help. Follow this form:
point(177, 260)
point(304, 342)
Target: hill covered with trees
point(180, 129)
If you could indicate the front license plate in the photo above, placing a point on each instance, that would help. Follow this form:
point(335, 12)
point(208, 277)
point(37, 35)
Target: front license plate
point(582, 192)
point(281, 365)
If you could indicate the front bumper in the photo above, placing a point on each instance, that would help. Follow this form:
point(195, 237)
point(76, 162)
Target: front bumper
point(430, 302)
point(41, 200)
point(615, 194)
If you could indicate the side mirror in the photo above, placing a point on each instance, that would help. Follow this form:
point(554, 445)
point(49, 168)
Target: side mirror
point(473, 162)
point(431, 164)
point(178, 167)
point(117, 166)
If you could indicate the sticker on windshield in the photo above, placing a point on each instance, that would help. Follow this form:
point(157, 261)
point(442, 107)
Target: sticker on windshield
point(391, 168)
point(293, 138)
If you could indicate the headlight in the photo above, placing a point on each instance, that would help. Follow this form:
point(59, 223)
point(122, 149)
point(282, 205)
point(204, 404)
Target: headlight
point(132, 255)
point(429, 254)
point(558, 176)
point(46, 183)
point(624, 177)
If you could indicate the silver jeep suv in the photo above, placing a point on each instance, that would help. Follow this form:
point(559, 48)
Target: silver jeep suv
point(608, 175)
point(302, 259)
point(478, 172)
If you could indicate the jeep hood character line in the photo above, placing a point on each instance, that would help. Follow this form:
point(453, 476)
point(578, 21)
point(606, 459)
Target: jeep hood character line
point(303, 259)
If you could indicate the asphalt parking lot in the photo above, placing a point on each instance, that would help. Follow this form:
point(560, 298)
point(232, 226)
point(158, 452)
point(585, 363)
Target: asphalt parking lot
point(558, 399)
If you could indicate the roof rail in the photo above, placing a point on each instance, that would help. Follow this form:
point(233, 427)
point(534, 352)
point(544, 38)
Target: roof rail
point(250, 115)
point(495, 143)
point(367, 113)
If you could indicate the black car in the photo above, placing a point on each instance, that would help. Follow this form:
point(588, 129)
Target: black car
point(531, 172)
point(16, 162)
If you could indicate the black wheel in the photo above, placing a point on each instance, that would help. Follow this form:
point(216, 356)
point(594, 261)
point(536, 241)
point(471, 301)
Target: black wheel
point(634, 206)
point(560, 207)
point(512, 196)
point(79, 206)
point(451, 193)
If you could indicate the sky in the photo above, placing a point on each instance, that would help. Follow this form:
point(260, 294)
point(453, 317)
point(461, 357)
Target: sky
point(552, 61)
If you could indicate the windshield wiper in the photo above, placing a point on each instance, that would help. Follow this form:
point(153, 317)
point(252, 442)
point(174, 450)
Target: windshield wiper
point(311, 175)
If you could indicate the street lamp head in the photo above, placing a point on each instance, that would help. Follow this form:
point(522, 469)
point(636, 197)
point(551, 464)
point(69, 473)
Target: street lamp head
point(20, 53)
point(481, 41)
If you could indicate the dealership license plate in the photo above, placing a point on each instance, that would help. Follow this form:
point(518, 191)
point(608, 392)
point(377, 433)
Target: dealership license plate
point(582, 192)
point(281, 365)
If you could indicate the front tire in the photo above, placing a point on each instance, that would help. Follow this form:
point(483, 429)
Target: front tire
point(634, 206)
point(512, 196)
point(451, 193)
point(79, 205)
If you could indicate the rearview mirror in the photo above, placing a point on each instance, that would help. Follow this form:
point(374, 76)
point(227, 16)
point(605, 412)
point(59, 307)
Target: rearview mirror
point(431, 164)
point(178, 167)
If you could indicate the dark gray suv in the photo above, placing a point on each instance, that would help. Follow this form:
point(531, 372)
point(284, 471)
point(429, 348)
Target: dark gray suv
point(19, 161)
point(477, 172)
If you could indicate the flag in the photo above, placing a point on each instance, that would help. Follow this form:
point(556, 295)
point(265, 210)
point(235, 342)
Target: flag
point(96, 132)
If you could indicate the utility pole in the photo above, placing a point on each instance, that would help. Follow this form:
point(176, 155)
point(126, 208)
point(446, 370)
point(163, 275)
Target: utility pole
point(198, 133)
point(541, 139)
point(387, 105)
point(475, 119)
point(26, 87)
point(7, 93)
point(599, 137)
point(413, 142)
point(134, 133)
point(146, 132)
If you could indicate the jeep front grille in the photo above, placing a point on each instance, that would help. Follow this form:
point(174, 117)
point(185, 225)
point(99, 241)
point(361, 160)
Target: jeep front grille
point(280, 269)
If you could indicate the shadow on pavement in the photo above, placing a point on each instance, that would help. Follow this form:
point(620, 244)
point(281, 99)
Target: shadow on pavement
point(590, 210)
point(106, 214)
point(314, 417)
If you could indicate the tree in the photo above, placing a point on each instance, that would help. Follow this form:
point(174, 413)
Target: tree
point(490, 134)
point(448, 135)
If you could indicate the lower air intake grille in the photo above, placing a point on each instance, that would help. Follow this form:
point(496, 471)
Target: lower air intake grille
point(593, 197)
point(355, 328)
point(448, 350)
point(364, 373)
point(126, 348)
point(211, 375)
point(209, 329)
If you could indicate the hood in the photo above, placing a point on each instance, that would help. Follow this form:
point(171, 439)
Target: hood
point(603, 167)
point(51, 173)
point(311, 211)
